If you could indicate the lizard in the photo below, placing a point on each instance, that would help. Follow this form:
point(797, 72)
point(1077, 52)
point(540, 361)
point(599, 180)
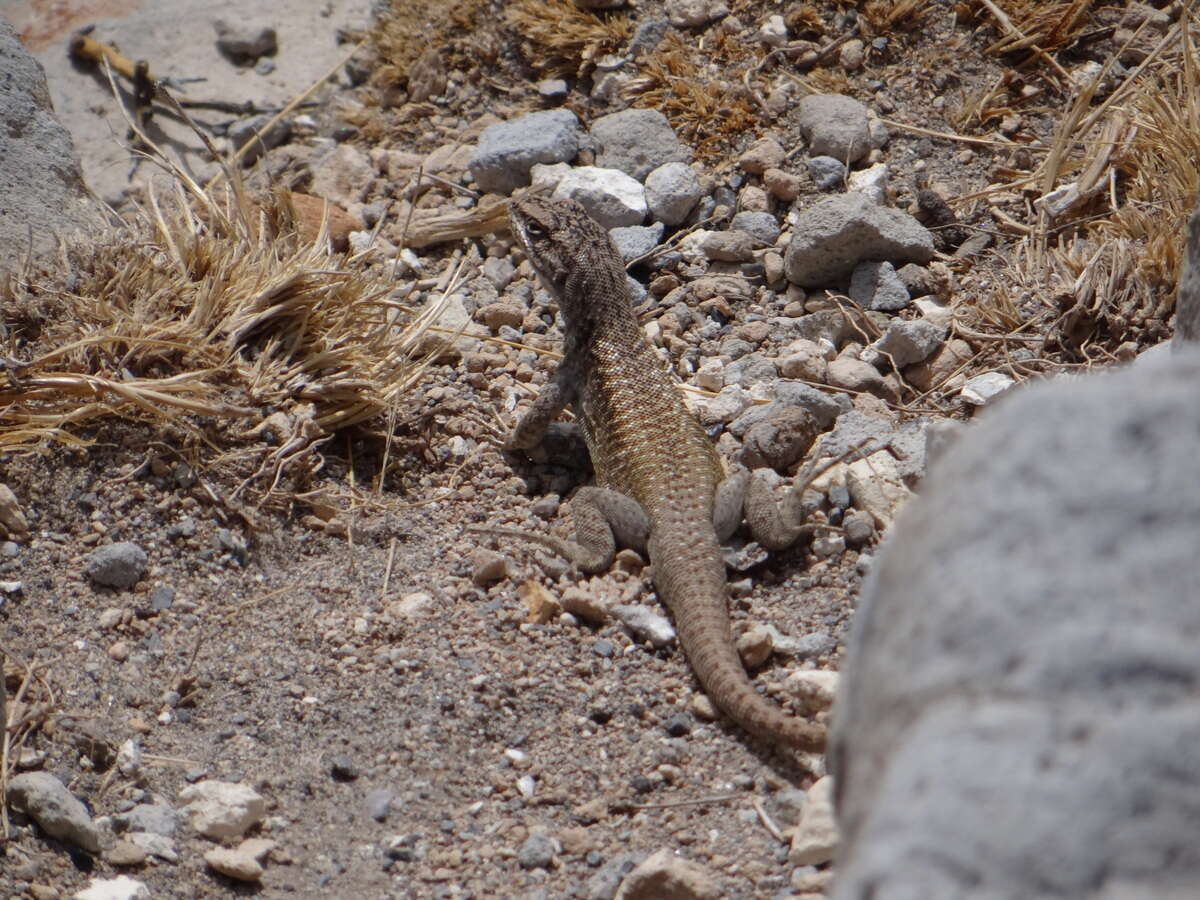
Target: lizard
point(660, 484)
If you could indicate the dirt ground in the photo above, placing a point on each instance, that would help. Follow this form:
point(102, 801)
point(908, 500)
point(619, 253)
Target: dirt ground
point(322, 669)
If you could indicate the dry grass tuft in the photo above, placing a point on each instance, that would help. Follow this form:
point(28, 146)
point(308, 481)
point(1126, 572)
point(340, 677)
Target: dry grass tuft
point(1035, 24)
point(209, 319)
point(710, 113)
point(1118, 185)
point(562, 39)
point(885, 16)
point(406, 29)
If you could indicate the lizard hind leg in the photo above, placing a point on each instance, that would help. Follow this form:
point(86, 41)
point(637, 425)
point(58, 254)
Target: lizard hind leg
point(603, 518)
point(776, 526)
point(728, 503)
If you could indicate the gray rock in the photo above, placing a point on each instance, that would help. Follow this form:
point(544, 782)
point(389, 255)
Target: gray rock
point(780, 440)
point(637, 290)
point(647, 36)
point(56, 810)
point(243, 131)
point(858, 527)
point(537, 852)
point(1025, 646)
point(807, 646)
point(835, 125)
point(855, 375)
point(604, 884)
point(508, 150)
point(727, 246)
point(119, 565)
point(610, 196)
point(243, 43)
point(342, 175)
point(378, 803)
point(154, 844)
point(637, 141)
point(672, 190)
point(825, 407)
point(830, 325)
point(155, 818)
point(750, 369)
point(836, 234)
point(762, 226)
point(909, 341)
point(826, 172)
point(40, 180)
point(499, 271)
point(636, 240)
point(876, 285)
point(855, 427)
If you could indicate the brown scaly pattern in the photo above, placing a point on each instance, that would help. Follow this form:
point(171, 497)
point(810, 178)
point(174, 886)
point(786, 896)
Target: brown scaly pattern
point(644, 444)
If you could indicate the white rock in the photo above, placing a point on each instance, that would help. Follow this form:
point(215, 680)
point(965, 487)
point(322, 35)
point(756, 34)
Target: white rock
point(665, 876)
point(773, 32)
point(645, 623)
point(935, 311)
point(876, 487)
point(234, 863)
point(120, 888)
point(548, 174)
point(155, 844)
point(610, 196)
point(731, 402)
point(711, 375)
point(816, 837)
point(982, 389)
point(693, 13)
point(129, 758)
point(222, 810)
point(589, 605)
point(815, 688)
point(411, 606)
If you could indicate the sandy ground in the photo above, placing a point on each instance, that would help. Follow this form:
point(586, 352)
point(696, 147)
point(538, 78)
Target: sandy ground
point(178, 40)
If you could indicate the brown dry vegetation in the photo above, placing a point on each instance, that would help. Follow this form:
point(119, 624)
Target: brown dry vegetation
point(209, 318)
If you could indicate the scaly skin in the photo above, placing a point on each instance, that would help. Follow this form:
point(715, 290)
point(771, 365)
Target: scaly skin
point(645, 445)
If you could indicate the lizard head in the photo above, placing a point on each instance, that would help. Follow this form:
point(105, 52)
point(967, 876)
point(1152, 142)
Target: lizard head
point(562, 242)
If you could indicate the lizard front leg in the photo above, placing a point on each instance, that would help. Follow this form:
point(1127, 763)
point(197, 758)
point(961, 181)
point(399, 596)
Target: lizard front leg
point(561, 389)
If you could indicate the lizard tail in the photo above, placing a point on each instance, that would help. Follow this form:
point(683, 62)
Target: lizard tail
point(702, 624)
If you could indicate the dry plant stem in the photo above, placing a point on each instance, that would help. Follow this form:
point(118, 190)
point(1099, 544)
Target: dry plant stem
point(675, 804)
point(767, 821)
point(961, 138)
point(387, 573)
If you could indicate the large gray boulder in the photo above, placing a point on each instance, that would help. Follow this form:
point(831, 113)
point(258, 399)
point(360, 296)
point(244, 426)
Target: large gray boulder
point(1020, 714)
point(1187, 301)
point(42, 194)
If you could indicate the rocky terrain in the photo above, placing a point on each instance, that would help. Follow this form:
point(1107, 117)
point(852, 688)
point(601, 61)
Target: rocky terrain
point(251, 646)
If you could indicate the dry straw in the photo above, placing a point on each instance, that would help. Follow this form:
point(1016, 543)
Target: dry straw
point(207, 316)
